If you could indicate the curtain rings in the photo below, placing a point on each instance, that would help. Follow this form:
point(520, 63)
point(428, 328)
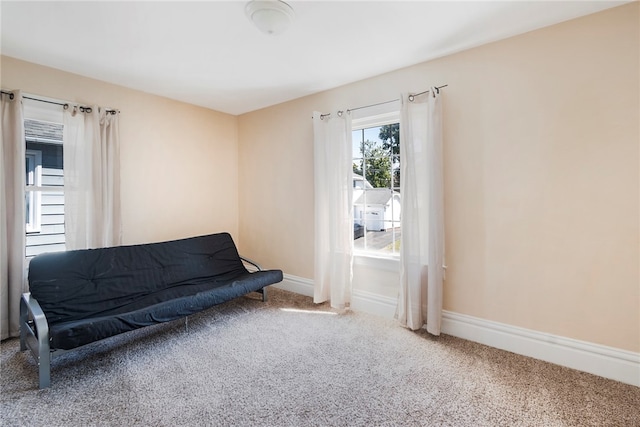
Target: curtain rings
point(322, 116)
point(11, 95)
point(81, 108)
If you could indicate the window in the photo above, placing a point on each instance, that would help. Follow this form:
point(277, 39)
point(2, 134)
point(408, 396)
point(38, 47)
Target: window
point(44, 190)
point(33, 180)
point(376, 184)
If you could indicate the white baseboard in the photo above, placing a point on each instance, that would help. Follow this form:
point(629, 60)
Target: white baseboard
point(608, 362)
point(296, 284)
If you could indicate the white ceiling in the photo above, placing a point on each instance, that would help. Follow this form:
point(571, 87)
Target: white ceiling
point(207, 53)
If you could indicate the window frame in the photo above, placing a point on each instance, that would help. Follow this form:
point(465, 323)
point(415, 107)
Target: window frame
point(43, 112)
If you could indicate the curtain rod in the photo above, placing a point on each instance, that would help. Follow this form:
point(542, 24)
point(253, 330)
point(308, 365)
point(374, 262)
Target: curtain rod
point(411, 98)
point(63, 105)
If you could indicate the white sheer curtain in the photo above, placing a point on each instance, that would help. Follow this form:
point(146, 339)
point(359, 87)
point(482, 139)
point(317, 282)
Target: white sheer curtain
point(333, 209)
point(12, 216)
point(91, 178)
point(422, 245)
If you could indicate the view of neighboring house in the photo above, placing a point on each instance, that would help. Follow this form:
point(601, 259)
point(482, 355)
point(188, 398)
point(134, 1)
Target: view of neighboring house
point(377, 209)
point(44, 196)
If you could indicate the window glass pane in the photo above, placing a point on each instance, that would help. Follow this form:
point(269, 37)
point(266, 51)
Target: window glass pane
point(51, 162)
point(396, 172)
point(29, 213)
point(49, 236)
point(30, 166)
point(356, 142)
point(376, 195)
point(372, 135)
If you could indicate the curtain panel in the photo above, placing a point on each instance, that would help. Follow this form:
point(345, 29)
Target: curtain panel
point(333, 209)
point(92, 178)
point(422, 244)
point(12, 213)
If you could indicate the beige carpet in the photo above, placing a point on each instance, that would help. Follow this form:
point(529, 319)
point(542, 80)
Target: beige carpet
point(291, 363)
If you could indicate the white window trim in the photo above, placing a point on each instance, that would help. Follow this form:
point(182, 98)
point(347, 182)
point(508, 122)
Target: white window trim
point(376, 120)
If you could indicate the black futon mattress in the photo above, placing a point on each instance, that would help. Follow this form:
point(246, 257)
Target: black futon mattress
point(91, 294)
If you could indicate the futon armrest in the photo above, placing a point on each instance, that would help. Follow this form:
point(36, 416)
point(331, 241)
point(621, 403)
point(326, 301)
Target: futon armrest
point(263, 291)
point(32, 316)
point(248, 261)
point(34, 335)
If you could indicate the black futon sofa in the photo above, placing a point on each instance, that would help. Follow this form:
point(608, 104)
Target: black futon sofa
point(78, 297)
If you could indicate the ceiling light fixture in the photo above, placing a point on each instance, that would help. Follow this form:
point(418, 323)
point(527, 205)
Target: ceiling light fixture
point(271, 17)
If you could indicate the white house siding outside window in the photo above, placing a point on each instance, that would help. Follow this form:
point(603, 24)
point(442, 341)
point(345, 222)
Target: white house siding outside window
point(44, 191)
point(376, 185)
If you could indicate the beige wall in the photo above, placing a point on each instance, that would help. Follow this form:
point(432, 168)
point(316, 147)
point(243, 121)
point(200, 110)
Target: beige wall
point(541, 177)
point(541, 185)
point(179, 161)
